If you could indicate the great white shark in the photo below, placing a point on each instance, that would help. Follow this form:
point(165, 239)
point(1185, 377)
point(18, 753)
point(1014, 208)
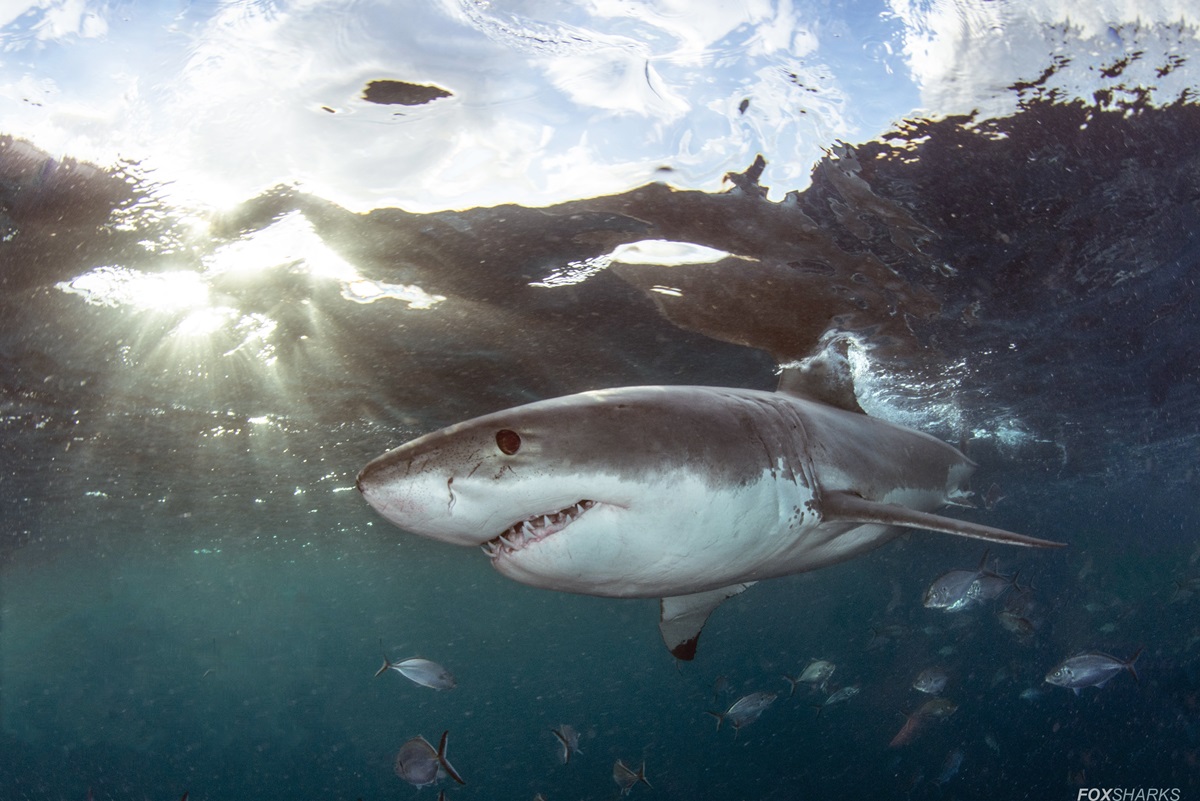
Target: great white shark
point(684, 493)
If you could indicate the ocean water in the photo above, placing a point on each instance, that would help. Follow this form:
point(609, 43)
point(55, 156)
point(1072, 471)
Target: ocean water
point(195, 599)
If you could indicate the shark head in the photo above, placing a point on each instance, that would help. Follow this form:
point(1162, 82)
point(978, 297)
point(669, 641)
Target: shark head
point(601, 493)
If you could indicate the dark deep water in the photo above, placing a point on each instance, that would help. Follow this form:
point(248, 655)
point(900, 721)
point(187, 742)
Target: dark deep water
point(194, 597)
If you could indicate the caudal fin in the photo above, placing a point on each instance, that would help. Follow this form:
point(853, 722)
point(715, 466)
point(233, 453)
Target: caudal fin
point(1128, 664)
point(641, 776)
point(387, 663)
point(566, 748)
point(445, 763)
point(983, 561)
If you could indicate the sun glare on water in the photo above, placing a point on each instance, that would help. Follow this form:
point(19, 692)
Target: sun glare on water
point(204, 302)
point(126, 287)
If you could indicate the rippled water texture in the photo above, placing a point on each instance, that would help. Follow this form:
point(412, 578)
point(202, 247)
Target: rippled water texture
point(247, 247)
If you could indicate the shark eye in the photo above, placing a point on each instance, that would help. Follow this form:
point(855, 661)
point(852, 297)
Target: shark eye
point(508, 442)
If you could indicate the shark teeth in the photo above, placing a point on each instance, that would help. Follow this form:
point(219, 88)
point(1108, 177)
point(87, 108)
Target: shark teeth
point(535, 529)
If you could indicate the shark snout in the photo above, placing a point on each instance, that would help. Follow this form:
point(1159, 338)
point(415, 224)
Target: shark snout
point(420, 502)
point(395, 500)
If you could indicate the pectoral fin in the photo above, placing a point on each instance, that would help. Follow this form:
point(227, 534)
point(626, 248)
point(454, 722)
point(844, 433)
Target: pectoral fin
point(849, 508)
point(683, 616)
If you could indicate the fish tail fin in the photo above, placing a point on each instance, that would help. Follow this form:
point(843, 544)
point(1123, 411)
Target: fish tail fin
point(720, 716)
point(641, 776)
point(983, 560)
point(819, 708)
point(792, 682)
point(562, 741)
point(1129, 663)
point(445, 763)
point(387, 663)
point(1012, 582)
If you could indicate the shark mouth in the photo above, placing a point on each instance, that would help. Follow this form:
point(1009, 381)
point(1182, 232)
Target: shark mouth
point(535, 529)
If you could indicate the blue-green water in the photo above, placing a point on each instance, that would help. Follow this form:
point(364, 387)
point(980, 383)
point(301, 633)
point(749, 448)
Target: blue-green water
point(140, 666)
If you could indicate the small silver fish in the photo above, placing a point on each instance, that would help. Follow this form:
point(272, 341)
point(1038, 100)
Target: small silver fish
point(951, 590)
point(1031, 694)
point(1018, 625)
point(1184, 590)
point(816, 674)
point(931, 681)
point(844, 694)
point(1090, 670)
point(950, 767)
point(1021, 613)
point(420, 671)
point(917, 722)
point(937, 708)
point(885, 635)
point(956, 590)
point(568, 738)
point(993, 496)
point(990, 586)
point(745, 710)
point(626, 778)
point(420, 765)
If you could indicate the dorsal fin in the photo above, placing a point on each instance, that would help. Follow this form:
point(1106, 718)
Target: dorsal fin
point(681, 617)
point(825, 377)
